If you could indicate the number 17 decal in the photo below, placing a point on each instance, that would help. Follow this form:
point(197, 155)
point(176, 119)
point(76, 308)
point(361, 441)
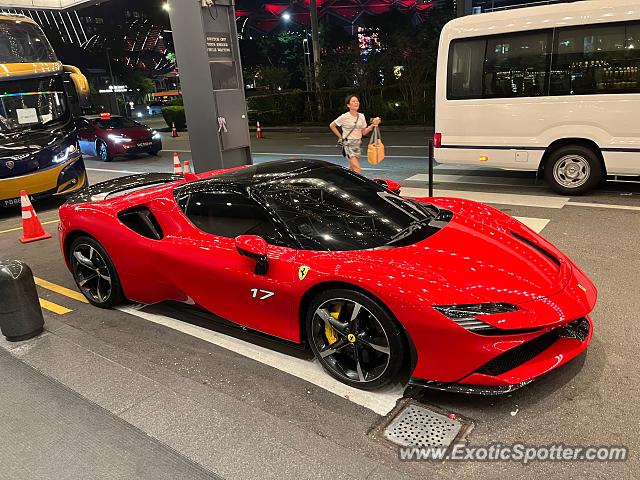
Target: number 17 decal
point(261, 294)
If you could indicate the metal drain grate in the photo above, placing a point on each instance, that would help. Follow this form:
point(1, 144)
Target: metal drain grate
point(419, 427)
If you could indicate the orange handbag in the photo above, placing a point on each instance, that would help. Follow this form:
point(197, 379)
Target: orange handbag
point(375, 153)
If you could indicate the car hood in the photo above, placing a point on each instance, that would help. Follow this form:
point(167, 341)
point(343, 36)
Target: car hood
point(468, 261)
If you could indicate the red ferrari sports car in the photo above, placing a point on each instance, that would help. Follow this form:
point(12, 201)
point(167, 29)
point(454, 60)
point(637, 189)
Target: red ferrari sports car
point(457, 294)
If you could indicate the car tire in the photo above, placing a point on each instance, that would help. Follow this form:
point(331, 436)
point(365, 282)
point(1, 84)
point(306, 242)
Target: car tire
point(103, 152)
point(368, 353)
point(155, 153)
point(573, 170)
point(94, 273)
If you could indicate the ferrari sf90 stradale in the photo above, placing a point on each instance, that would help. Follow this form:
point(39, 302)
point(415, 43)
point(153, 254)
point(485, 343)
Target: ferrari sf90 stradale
point(455, 293)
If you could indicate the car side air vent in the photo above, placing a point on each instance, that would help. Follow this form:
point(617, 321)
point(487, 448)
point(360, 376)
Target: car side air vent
point(537, 247)
point(142, 221)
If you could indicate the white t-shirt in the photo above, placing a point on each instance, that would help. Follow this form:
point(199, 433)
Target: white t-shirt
point(347, 122)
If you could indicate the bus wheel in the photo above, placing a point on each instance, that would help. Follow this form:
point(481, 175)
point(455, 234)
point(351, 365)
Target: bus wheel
point(573, 170)
point(103, 152)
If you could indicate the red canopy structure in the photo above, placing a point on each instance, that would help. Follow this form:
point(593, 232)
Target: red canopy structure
point(267, 16)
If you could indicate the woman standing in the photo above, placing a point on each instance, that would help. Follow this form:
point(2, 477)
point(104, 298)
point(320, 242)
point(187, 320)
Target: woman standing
point(354, 127)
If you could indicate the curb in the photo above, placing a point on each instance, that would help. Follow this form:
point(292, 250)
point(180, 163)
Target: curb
point(322, 129)
point(427, 129)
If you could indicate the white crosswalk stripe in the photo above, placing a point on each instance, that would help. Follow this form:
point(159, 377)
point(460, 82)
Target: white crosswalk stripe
point(494, 198)
point(535, 224)
point(475, 180)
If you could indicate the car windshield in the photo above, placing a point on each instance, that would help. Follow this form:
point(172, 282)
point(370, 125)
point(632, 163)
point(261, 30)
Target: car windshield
point(31, 103)
point(115, 123)
point(332, 209)
point(23, 42)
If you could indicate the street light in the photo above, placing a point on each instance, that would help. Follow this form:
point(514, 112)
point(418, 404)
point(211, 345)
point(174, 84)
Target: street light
point(315, 40)
point(286, 16)
point(113, 81)
point(165, 6)
point(307, 60)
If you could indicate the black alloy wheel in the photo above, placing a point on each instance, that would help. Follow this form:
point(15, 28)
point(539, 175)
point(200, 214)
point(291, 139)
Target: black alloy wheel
point(94, 273)
point(103, 152)
point(354, 339)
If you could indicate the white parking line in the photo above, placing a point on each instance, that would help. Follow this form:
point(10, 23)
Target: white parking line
point(381, 401)
point(497, 198)
point(535, 224)
point(602, 205)
point(475, 180)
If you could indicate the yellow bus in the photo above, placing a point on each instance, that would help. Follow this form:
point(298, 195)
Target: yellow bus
point(38, 143)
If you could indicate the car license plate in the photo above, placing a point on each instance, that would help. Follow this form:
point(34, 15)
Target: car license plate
point(10, 203)
point(145, 144)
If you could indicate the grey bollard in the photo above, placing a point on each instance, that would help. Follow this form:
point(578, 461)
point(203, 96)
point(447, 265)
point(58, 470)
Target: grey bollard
point(20, 314)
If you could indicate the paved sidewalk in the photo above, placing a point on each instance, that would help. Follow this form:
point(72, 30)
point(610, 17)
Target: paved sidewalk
point(50, 432)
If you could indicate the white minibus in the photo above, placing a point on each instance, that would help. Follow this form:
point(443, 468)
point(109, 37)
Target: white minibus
point(553, 89)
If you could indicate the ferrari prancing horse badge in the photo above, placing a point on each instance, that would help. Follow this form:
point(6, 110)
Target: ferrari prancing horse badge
point(302, 272)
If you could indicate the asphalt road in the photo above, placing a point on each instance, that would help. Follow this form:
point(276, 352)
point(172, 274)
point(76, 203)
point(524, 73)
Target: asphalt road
point(406, 162)
point(220, 404)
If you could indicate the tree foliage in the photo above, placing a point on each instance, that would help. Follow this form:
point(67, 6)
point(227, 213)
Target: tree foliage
point(139, 84)
point(395, 78)
point(272, 77)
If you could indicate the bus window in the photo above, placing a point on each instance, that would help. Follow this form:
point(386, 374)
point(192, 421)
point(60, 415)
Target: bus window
point(597, 59)
point(516, 65)
point(466, 59)
point(29, 103)
point(22, 42)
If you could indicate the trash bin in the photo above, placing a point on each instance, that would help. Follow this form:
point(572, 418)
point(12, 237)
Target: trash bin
point(20, 314)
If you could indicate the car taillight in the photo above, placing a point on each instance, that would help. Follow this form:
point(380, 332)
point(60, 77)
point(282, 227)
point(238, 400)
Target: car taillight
point(437, 140)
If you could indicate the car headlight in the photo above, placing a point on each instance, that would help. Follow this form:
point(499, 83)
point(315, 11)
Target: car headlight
point(155, 135)
point(65, 154)
point(466, 315)
point(118, 138)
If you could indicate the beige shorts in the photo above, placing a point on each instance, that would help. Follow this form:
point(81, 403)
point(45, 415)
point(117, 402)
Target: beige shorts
point(353, 148)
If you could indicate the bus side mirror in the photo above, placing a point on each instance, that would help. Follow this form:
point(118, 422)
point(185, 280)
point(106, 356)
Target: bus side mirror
point(80, 82)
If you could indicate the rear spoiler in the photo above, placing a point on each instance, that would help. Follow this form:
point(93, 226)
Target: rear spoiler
point(121, 186)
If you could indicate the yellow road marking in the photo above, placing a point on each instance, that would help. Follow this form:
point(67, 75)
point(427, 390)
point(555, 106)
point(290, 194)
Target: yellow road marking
point(54, 307)
point(61, 290)
point(17, 229)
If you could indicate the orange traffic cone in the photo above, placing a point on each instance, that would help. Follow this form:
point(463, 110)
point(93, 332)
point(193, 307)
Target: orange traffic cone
point(31, 227)
point(259, 131)
point(174, 130)
point(177, 166)
point(189, 174)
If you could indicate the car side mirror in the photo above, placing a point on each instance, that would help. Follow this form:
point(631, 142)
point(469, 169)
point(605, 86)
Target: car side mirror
point(389, 185)
point(256, 248)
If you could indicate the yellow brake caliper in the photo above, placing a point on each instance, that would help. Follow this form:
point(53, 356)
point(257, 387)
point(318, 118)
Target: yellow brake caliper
point(329, 331)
